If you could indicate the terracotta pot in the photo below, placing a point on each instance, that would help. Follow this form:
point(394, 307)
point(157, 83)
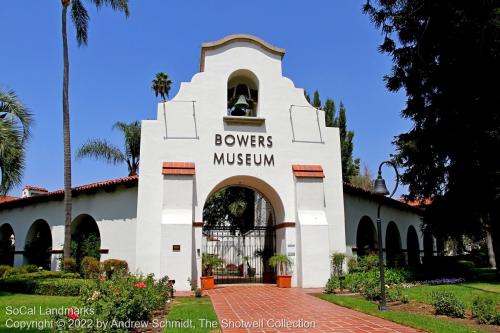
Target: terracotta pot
point(284, 281)
point(207, 282)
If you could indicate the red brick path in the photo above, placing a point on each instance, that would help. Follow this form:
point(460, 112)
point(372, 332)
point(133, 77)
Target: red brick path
point(259, 303)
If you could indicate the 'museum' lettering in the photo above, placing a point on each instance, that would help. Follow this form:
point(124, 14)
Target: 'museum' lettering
point(243, 159)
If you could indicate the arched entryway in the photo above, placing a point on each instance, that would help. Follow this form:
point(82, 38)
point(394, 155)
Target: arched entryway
point(7, 245)
point(394, 254)
point(240, 229)
point(413, 247)
point(85, 238)
point(38, 244)
point(366, 237)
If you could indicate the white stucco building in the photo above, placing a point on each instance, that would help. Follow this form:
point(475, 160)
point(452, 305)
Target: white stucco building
point(206, 139)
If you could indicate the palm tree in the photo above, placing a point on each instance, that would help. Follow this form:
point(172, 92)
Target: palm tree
point(161, 85)
point(102, 149)
point(80, 18)
point(15, 125)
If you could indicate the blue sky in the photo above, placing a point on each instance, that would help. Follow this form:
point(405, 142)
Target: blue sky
point(331, 46)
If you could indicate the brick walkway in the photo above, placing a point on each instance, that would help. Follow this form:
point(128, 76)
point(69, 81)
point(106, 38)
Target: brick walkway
point(259, 303)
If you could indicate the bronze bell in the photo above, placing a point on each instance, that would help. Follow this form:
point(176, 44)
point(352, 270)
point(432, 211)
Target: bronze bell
point(379, 187)
point(240, 107)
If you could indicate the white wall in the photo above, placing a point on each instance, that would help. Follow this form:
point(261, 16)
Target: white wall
point(115, 214)
point(185, 132)
point(356, 207)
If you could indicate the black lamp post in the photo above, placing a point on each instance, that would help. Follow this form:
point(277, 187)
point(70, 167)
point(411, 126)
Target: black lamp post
point(380, 189)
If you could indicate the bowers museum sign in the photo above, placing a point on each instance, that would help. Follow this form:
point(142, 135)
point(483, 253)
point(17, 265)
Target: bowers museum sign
point(241, 141)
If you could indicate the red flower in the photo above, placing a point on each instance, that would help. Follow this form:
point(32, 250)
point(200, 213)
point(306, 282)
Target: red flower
point(140, 285)
point(72, 314)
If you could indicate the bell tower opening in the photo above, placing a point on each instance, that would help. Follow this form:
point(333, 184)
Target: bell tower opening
point(242, 94)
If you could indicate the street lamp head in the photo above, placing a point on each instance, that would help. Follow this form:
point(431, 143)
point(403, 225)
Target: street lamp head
point(379, 187)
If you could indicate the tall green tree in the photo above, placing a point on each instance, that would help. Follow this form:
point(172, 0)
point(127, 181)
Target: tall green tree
point(350, 165)
point(330, 113)
point(316, 100)
point(80, 18)
point(105, 150)
point(161, 85)
point(446, 57)
point(15, 127)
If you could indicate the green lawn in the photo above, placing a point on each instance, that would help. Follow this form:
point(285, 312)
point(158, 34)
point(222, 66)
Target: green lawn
point(464, 291)
point(197, 311)
point(12, 302)
point(423, 322)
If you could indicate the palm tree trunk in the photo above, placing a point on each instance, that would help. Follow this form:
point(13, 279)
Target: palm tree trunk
point(66, 135)
point(491, 251)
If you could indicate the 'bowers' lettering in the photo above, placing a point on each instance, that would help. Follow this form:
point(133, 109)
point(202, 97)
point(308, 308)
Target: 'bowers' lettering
point(244, 140)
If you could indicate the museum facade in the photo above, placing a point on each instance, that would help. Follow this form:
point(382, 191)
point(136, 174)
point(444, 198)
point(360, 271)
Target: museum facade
point(239, 123)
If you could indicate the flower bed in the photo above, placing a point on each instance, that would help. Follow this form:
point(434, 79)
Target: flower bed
point(125, 299)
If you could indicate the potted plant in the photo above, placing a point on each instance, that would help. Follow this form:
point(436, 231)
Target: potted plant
point(268, 275)
point(282, 263)
point(209, 262)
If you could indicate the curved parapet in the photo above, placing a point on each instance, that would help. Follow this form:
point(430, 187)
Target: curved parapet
point(238, 38)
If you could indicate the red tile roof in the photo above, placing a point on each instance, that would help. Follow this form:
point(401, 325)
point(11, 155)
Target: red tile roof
point(398, 204)
point(59, 194)
point(4, 198)
point(35, 188)
point(417, 203)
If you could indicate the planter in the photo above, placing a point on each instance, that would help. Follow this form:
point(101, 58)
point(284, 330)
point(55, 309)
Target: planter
point(284, 281)
point(251, 272)
point(207, 282)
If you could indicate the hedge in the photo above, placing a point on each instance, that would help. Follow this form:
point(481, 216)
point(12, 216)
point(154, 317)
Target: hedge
point(44, 286)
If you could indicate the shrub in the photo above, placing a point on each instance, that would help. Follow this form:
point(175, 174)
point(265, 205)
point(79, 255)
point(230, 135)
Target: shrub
point(31, 268)
point(332, 284)
point(368, 283)
point(397, 276)
point(61, 287)
point(4, 269)
point(368, 263)
point(352, 264)
point(69, 265)
point(85, 245)
point(446, 303)
point(15, 271)
point(91, 268)
point(112, 266)
point(123, 298)
point(395, 293)
point(45, 275)
point(337, 261)
point(26, 284)
point(485, 311)
point(198, 292)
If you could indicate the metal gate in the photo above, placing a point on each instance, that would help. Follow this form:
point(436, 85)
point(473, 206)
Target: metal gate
point(244, 255)
point(244, 248)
